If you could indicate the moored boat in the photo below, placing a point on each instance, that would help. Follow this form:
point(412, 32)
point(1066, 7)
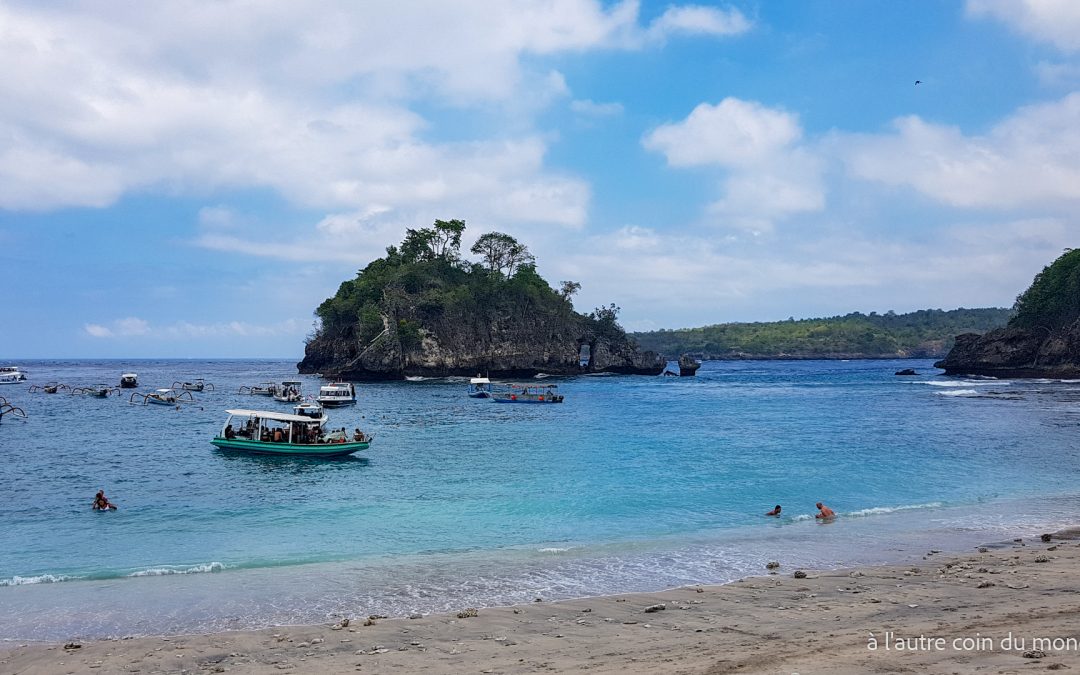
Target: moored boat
point(198, 385)
point(267, 432)
point(290, 391)
point(519, 393)
point(11, 375)
point(479, 387)
point(129, 380)
point(261, 389)
point(336, 394)
point(164, 397)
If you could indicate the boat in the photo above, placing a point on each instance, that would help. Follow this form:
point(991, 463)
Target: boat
point(520, 393)
point(49, 388)
point(312, 410)
point(11, 375)
point(290, 391)
point(164, 397)
point(129, 380)
point(336, 394)
point(198, 385)
point(261, 389)
point(9, 409)
point(266, 432)
point(479, 387)
point(97, 390)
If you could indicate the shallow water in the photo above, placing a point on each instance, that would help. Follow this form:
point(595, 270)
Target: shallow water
point(634, 483)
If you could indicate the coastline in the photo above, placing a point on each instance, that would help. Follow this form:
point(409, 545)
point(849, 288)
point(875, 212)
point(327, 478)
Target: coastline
point(776, 623)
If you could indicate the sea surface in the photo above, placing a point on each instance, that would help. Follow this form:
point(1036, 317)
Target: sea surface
point(631, 484)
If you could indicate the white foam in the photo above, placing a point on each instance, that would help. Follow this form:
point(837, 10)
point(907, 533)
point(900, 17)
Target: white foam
point(957, 392)
point(552, 549)
point(963, 383)
point(879, 510)
point(39, 579)
point(172, 569)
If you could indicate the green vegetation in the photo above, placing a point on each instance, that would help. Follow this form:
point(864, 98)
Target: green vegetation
point(424, 285)
point(1053, 300)
point(925, 333)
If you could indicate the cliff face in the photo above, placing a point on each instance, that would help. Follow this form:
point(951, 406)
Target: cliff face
point(512, 347)
point(1016, 352)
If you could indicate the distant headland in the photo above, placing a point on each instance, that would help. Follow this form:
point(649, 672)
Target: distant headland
point(1042, 339)
point(923, 334)
point(424, 310)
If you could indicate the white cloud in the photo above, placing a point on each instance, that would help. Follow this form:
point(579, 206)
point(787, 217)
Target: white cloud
point(593, 109)
point(699, 20)
point(1031, 158)
point(1053, 21)
point(770, 174)
point(134, 327)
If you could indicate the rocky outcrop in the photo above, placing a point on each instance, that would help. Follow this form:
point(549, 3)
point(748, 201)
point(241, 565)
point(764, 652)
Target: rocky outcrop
point(1016, 352)
point(688, 366)
point(509, 347)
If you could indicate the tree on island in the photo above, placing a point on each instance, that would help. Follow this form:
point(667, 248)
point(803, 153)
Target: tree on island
point(502, 253)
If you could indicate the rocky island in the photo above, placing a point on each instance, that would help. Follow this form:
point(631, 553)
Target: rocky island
point(424, 310)
point(1041, 340)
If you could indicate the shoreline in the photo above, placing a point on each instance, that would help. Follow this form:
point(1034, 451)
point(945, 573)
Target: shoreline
point(772, 623)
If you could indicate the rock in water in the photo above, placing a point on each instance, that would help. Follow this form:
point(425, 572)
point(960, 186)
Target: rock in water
point(688, 365)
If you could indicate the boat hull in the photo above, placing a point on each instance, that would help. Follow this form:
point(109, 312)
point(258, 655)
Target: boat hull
point(334, 404)
point(288, 449)
point(499, 399)
point(479, 394)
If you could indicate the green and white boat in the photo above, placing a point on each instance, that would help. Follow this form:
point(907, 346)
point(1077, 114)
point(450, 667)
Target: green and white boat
point(268, 432)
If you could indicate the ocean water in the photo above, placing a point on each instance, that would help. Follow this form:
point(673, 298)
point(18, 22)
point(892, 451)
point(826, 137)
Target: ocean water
point(632, 484)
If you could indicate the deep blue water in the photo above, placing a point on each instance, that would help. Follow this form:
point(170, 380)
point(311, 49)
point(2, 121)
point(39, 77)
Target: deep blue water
point(634, 483)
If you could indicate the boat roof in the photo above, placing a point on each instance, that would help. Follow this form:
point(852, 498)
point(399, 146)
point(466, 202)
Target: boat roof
point(291, 382)
point(336, 385)
point(271, 415)
point(127, 375)
point(479, 380)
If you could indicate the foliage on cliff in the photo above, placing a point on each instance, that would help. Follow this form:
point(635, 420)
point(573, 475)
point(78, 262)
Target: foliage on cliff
point(424, 295)
point(1053, 299)
point(925, 333)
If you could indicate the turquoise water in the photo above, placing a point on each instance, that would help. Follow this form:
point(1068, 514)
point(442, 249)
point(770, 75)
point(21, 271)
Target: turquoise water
point(634, 483)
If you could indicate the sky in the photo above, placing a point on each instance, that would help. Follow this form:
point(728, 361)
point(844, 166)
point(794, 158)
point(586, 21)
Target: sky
point(191, 179)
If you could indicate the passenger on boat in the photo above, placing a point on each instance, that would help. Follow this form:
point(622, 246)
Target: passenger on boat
point(278, 436)
point(358, 436)
point(101, 503)
point(229, 432)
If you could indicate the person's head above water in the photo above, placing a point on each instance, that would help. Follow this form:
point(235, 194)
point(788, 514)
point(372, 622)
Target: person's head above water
point(777, 509)
point(818, 505)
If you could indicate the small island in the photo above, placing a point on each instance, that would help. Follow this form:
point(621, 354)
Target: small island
point(1041, 340)
point(424, 310)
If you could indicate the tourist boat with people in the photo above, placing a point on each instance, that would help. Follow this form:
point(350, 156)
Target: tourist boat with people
point(336, 394)
point(129, 380)
point(290, 391)
point(520, 393)
point(266, 432)
point(164, 397)
point(479, 387)
point(11, 375)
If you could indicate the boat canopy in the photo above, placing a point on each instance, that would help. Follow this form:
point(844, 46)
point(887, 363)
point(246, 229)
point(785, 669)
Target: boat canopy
point(270, 415)
point(479, 380)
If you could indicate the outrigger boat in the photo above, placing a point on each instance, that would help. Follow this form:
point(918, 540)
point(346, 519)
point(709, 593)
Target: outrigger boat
point(290, 391)
point(266, 432)
point(164, 397)
point(479, 387)
point(197, 385)
point(11, 375)
point(519, 393)
point(97, 391)
point(336, 394)
point(261, 389)
point(8, 409)
point(129, 380)
point(50, 388)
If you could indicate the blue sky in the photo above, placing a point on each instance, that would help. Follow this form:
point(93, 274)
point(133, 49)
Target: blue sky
point(193, 179)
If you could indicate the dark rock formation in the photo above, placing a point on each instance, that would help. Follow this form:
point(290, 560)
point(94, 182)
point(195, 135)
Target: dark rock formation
point(688, 365)
point(906, 371)
point(513, 347)
point(1016, 352)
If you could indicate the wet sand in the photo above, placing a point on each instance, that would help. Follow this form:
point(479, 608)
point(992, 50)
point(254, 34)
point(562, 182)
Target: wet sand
point(947, 613)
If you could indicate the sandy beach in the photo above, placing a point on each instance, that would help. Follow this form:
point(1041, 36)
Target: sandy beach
point(1008, 608)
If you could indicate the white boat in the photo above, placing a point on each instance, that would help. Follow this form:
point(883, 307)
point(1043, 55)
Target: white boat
point(336, 394)
point(11, 375)
point(261, 389)
point(312, 410)
point(164, 397)
point(290, 391)
point(479, 387)
point(129, 380)
point(274, 433)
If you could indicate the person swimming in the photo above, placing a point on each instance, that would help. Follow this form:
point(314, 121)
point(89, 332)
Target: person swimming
point(774, 512)
point(101, 502)
point(824, 512)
